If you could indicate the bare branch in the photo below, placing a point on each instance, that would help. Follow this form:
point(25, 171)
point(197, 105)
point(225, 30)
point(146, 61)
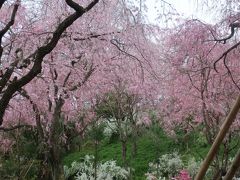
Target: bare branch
point(116, 43)
point(66, 79)
point(86, 77)
point(11, 22)
point(93, 36)
point(229, 72)
point(8, 25)
point(75, 6)
point(225, 54)
point(233, 26)
point(2, 2)
point(14, 127)
point(36, 111)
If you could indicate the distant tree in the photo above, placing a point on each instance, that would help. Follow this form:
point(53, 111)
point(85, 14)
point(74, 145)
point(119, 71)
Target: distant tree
point(198, 85)
point(52, 67)
point(122, 110)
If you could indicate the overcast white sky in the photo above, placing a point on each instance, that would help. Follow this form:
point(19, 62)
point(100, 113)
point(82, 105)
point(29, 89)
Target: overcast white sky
point(187, 8)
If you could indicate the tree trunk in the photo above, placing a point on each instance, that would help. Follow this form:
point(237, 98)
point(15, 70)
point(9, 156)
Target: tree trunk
point(134, 148)
point(55, 150)
point(217, 174)
point(208, 133)
point(217, 142)
point(134, 138)
point(234, 167)
point(95, 159)
point(44, 172)
point(124, 152)
point(57, 168)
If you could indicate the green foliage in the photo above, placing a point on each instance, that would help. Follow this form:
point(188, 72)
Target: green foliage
point(147, 152)
point(96, 131)
point(22, 161)
point(116, 104)
point(152, 144)
point(107, 107)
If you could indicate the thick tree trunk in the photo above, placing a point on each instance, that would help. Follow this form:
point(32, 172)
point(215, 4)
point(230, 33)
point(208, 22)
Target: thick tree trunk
point(56, 165)
point(57, 168)
point(55, 150)
point(217, 142)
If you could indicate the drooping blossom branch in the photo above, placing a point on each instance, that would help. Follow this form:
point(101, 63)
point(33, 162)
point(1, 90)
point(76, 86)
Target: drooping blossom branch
point(41, 52)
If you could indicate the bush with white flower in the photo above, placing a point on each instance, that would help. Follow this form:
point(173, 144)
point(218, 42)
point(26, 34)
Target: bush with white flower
point(167, 166)
point(193, 166)
point(105, 171)
point(109, 129)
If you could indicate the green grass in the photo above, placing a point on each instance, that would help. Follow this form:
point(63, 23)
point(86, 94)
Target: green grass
point(151, 145)
point(149, 148)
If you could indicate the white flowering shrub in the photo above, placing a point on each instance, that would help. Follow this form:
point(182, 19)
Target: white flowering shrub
point(105, 171)
point(167, 166)
point(170, 166)
point(150, 176)
point(109, 129)
point(112, 127)
point(193, 166)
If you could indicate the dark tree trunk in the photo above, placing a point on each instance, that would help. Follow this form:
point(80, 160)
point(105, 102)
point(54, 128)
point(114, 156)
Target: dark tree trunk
point(217, 174)
point(57, 168)
point(44, 172)
point(234, 167)
point(134, 148)
point(55, 150)
point(134, 138)
point(124, 152)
